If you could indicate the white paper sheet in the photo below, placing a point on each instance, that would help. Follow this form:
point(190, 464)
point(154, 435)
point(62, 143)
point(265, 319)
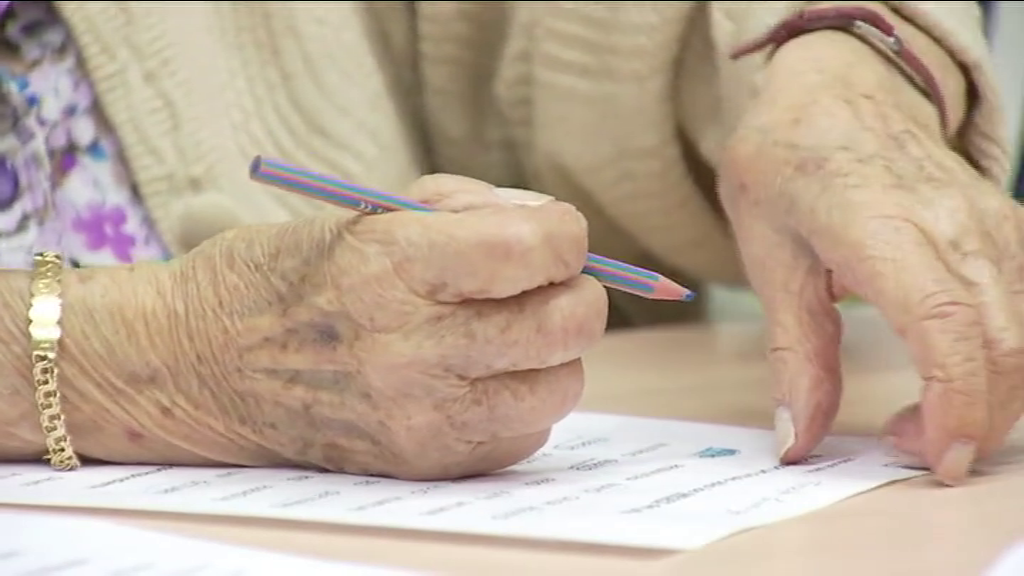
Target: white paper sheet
point(36, 544)
point(601, 479)
point(1010, 563)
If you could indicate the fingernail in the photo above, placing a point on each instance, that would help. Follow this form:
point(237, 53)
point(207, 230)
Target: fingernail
point(520, 197)
point(956, 463)
point(785, 432)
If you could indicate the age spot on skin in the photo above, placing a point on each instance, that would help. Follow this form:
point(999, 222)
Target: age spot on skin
point(325, 333)
point(134, 436)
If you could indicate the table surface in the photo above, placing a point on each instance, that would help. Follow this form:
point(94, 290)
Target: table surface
point(713, 373)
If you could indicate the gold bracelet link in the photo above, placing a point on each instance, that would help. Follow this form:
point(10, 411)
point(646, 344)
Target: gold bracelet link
point(44, 315)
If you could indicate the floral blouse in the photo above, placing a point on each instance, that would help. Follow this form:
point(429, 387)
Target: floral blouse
point(63, 183)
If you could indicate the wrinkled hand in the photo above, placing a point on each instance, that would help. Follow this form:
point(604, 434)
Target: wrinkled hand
point(846, 195)
point(413, 345)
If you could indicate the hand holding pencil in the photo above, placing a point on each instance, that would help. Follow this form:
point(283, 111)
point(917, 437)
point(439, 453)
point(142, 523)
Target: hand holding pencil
point(412, 345)
point(612, 273)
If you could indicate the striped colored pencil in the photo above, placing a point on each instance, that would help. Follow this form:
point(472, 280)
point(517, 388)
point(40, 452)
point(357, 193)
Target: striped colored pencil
point(612, 273)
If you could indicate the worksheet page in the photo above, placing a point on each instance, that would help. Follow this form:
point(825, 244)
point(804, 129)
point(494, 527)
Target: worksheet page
point(38, 544)
point(601, 479)
point(1010, 562)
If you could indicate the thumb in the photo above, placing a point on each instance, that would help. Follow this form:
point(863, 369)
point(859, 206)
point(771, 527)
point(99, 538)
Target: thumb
point(804, 334)
point(450, 193)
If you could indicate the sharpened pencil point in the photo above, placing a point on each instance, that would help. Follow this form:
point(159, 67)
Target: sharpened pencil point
point(689, 296)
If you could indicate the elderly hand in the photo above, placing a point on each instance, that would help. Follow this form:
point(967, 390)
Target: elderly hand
point(838, 182)
point(412, 345)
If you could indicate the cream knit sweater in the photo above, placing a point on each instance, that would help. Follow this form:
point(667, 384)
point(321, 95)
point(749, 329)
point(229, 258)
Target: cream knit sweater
point(618, 107)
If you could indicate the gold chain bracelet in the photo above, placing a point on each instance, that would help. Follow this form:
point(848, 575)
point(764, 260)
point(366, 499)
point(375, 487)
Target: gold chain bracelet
point(44, 329)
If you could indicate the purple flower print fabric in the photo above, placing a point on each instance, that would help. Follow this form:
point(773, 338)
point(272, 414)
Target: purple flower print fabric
point(63, 183)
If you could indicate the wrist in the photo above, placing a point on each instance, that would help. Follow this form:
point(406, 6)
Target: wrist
point(150, 386)
point(834, 64)
point(116, 362)
point(118, 365)
point(80, 374)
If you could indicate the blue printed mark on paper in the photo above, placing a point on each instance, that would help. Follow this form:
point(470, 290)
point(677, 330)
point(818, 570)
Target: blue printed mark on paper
point(714, 452)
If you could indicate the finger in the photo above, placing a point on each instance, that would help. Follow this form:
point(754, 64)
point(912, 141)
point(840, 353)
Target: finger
point(479, 254)
point(1001, 302)
point(940, 320)
point(544, 327)
point(488, 457)
point(804, 332)
point(480, 458)
point(1001, 346)
point(909, 429)
point(905, 431)
point(517, 403)
point(1003, 316)
point(1004, 347)
point(450, 193)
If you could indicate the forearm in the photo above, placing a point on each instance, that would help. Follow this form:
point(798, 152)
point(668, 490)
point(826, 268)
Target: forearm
point(20, 433)
point(818, 62)
point(111, 349)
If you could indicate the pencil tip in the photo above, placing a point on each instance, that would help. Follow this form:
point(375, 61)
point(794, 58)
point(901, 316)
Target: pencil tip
point(688, 297)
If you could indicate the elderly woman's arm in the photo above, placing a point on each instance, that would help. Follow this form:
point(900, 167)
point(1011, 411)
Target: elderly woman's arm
point(316, 343)
point(840, 178)
point(111, 333)
point(947, 36)
point(20, 434)
point(826, 52)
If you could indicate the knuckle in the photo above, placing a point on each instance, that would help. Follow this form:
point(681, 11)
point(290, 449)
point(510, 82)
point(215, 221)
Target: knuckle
point(947, 306)
point(566, 233)
point(1011, 353)
point(556, 229)
point(785, 360)
point(1006, 359)
point(971, 404)
point(783, 355)
point(517, 236)
point(567, 218)
point(434, 189)
point(580, 319)
point(379, 229)
point(876, 232)
point(571, 383)
point(593, 308)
